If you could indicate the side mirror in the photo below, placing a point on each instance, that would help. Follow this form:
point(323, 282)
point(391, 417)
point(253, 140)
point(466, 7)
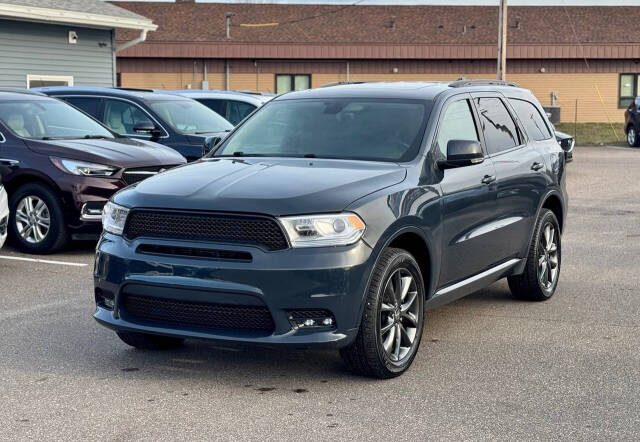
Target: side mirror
point(567, 143)
point(209, 144)
point(462, 153)
point(147, 128)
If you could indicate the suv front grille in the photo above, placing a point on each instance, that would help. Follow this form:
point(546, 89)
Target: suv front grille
point(173, 312)
point(238, 229)
point(132, 176)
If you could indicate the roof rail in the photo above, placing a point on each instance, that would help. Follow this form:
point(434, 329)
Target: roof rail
point(17, 90)
point(463, 82)
point(342, 83)
point(134, 89)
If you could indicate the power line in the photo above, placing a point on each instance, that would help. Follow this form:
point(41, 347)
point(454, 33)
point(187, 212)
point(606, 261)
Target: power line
point(302, 19)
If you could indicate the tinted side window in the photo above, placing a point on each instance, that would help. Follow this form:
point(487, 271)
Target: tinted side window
point(121, 116)
point(457, 124)
point(218, 106)
point(237, 111)
point(500, 132)
point(533, 122)
point(89, 105)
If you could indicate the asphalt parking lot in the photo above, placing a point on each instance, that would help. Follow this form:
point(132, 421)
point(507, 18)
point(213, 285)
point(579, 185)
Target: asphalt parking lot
point(489, 367)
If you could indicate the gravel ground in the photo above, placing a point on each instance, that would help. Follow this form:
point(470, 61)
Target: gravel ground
point(489, 367)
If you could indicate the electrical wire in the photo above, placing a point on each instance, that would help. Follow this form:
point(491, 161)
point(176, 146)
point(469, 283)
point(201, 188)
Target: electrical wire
point(301, 19)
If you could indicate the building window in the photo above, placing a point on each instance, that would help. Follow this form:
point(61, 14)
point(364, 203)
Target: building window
point(49, 80)
point(292, 82)
point(629, 89)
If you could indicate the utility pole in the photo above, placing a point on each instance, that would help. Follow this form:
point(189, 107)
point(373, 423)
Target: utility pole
point(502, 40)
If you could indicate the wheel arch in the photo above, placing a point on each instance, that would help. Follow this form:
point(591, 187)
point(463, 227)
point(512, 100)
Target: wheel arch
point(20, 178)
point(553, 202)
point(413, 240)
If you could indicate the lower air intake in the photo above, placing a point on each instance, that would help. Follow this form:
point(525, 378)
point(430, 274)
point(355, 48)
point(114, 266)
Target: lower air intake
point(172, 312)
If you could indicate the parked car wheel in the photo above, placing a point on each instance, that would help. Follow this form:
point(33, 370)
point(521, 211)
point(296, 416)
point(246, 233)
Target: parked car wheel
point(539, 280)
point(632, 137)
point(144, 341)
point(393, 318)
point(37, 223)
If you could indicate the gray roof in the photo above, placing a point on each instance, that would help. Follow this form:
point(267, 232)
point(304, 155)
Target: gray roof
point(89, 6)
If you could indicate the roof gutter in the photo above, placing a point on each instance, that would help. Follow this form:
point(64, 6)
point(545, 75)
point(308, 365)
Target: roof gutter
point(142, 37)
point(48, 15)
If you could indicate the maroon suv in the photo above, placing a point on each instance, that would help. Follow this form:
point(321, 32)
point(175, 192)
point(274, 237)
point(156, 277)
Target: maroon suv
point(60, 166)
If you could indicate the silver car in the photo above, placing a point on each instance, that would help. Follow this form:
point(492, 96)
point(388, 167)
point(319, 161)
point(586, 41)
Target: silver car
point(4, 215)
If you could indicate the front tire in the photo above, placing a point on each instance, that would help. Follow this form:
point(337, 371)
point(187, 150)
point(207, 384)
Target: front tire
point(633, 140)
point(540, 278)
point(37, 223)
point(392, 321)
point(144, 341)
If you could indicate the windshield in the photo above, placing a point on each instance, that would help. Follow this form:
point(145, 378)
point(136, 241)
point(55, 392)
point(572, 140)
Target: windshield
point(49, 119)
point(360, 129)
point(190, 117)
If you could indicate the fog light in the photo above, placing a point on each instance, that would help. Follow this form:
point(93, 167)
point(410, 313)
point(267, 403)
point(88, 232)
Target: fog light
point(311, 319)
point(104, 299)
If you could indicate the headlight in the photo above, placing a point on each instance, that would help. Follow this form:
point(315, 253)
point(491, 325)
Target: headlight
point(75, 167)
point(323, 230)
point(114, 217)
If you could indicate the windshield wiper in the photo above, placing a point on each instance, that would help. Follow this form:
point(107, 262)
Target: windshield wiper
point(94, 137)
point(210, 131)
point(54, 138)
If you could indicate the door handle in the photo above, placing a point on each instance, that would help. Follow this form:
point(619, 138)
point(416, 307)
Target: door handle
point(537, 166)
point(488, 179)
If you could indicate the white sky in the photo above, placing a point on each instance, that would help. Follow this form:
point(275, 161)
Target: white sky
point(437, 2)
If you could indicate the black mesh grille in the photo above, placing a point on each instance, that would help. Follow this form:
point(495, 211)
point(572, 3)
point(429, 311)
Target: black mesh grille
point(198, 314)
point(206, 227)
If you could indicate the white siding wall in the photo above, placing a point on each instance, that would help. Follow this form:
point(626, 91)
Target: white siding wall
point(43, 49)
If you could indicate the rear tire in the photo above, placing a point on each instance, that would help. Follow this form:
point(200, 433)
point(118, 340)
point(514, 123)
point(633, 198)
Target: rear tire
point(144, 341)
point(632, 137)
point(540, 278)
point(394, 303)
point(50, 212)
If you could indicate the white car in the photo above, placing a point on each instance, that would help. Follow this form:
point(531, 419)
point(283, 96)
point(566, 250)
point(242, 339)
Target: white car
point(4, 215)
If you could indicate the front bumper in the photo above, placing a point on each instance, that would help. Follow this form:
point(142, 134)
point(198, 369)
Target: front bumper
point(4, 215)
point(332, 279)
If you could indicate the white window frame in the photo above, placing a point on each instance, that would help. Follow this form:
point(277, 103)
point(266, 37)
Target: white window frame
point(36, 77)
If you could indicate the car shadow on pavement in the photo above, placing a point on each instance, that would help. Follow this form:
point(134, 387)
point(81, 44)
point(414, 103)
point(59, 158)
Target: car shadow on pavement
point(65, 341)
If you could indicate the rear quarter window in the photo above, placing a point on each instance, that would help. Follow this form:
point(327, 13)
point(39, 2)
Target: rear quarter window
point(531, 118)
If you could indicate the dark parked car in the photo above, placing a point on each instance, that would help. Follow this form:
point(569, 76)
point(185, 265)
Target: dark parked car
point(233, 106)
point(4, 213)
point(60, 166)
point(632, 123)
point(332, 217)
point(175, 121)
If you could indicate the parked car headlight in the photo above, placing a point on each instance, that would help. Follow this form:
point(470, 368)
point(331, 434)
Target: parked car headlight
point(114, 218)
point(75, 167)
point(323, 230)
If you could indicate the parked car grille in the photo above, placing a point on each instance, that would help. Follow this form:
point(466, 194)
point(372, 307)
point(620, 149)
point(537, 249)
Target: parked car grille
point(240, 229)
point(132, 176)
point(198, 314)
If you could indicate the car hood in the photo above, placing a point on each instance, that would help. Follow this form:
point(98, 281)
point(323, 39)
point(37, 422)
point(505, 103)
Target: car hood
point(273, 186)
point(119, 152)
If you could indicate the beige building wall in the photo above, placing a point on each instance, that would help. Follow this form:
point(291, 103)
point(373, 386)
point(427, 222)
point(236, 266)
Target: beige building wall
point(569, 88)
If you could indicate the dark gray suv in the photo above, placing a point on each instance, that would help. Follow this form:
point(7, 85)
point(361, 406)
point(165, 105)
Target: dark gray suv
point(334, 217)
